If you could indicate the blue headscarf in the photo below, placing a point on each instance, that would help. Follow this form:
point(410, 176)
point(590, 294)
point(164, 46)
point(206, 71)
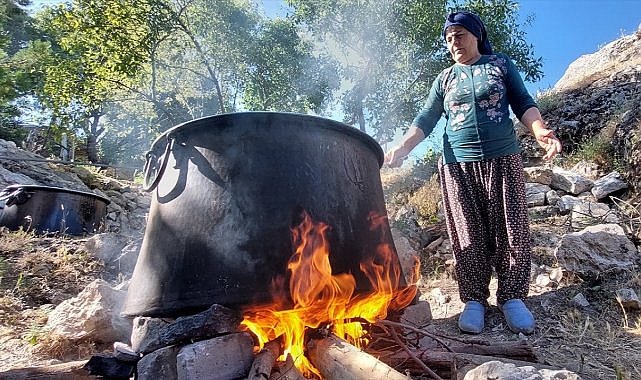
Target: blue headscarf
point(473, 23)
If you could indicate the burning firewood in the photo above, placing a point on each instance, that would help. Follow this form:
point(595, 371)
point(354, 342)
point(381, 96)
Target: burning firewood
point(264, 362)
point(287, 371)
point(336, 359)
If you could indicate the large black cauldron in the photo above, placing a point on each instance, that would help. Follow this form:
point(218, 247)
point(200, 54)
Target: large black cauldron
point(227, 189)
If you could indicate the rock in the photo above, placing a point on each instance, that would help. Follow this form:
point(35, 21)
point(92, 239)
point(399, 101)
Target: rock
point(106, 246)
point(589, 66)
point(439, 297)
point(587, 169)
point(225, 357)
point(123, 352)
point(567, 202)
point(556, 274)
point(587, 196)
point(535, 194)
point(607, 185)
point(407, 256)
point(417, 315)
point(628, 299)
point(580, 300)
point(597, 249)
point(497, 370)
point(215, 321)
point(588, 213)
point(542, 280)
point(30, 169)
point(552, 198)
point(542, 212)
point(160, 364)
point(433, 246)
point(94, 315)
point(10, 178)
point(571, 182)
point(117, 251)
point(538, 174)
point(109, 367)
point(145, 331)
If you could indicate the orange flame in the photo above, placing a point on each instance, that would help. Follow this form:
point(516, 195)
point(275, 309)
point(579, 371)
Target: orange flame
point(319, 297)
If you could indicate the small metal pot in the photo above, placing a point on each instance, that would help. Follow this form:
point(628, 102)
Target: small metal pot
point(51, 209)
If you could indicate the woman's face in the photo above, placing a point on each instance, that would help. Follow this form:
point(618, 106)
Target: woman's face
point(462, 45)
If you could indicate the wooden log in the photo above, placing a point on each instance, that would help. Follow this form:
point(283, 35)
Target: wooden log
point(520, 350)
point(336, 359)
point(64, 371)
point(263, 363)
point(447, 363)
point(287, 371)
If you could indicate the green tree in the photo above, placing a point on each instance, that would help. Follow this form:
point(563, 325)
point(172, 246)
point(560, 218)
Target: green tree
point(390, 51)
point(15, 80)
point(97, 48)
point(283, 75)
point(138, 68)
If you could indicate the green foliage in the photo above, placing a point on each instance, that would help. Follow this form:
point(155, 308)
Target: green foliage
point(98, 47)
point(125, 71)
point(426, 201)
point(598, 150)
point(34, 334)
point(390, 51)
point(282, 73)
point(16, 74)
point(548, 101)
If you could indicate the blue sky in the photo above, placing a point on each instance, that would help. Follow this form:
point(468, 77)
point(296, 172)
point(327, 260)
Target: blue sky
point(564, 30)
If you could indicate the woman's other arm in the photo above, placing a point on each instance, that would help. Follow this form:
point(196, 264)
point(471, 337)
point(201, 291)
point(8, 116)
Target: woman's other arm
point(395, 156)
point(544, 136)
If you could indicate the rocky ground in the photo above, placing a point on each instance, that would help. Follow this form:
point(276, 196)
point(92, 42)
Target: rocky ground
point(597, 340)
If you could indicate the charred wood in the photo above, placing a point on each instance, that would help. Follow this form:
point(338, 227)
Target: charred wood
point(264, 361)
point(287, 371)
point(65, 371)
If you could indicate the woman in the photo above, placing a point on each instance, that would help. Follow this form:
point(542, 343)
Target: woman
point(481, 171)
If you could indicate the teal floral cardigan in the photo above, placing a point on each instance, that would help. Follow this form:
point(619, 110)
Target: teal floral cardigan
point(475, 100)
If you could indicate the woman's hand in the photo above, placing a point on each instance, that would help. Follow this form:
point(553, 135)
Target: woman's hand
point(395, 157)
point(543, 135)
point(548, 141)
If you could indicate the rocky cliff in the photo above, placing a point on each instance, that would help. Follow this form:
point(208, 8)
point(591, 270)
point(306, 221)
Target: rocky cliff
point(599, 98)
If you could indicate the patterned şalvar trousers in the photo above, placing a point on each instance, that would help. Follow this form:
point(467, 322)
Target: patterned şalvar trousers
point(487, 223)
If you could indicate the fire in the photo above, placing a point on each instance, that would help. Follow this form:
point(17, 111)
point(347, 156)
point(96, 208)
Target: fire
point(321, 298)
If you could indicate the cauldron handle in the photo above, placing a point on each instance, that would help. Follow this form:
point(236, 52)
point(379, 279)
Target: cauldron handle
point(160, 164)
point(11, 196)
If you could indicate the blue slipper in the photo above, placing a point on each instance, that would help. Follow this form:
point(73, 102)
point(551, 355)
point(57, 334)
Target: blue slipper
point(472, 319)
point(518, 317)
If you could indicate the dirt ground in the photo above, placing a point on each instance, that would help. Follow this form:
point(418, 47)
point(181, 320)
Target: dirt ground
point(597, 342)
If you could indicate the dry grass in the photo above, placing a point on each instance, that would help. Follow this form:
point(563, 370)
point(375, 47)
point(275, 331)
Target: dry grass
point(36, 274)
point(426, 200)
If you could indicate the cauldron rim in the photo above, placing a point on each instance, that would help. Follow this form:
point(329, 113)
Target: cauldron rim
point(55, 189)
point(325, 123)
